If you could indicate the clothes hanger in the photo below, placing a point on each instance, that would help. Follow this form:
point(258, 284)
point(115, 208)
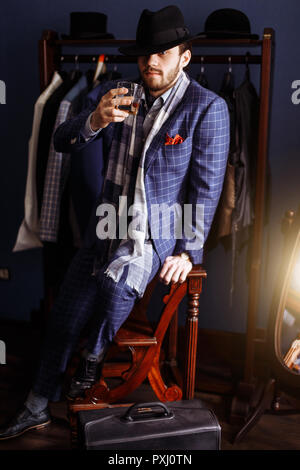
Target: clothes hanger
point(227, 86)
point(247, 65)
point(100, 69)
point(230, 66)
point(75, 73)
point(110, 74)
point(201, 78)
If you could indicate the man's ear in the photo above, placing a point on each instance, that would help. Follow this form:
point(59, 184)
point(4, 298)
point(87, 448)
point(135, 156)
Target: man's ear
point(185, 58)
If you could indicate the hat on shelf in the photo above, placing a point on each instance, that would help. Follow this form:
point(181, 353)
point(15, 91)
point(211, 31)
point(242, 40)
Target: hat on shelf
point(87, 25)
point(158, 31)
point(227, 23)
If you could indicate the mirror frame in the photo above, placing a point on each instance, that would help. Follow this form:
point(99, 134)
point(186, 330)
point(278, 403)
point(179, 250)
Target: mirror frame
point(288, 379)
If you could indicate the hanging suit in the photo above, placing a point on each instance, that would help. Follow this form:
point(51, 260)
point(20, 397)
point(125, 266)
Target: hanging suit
point(28, 234)
point(235, 210)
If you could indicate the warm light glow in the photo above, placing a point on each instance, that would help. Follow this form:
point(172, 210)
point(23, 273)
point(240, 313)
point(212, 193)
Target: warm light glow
point(295, 280)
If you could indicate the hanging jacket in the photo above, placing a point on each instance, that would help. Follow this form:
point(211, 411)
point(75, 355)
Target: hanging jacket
point(247, 117)
point(202, 80)
point(235, 209)
point(28, 234)
point(222, 224)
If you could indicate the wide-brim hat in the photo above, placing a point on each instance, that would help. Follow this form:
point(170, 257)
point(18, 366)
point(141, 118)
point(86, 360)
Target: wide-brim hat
point(227, 23)
point(88, 25)
point(158, 31)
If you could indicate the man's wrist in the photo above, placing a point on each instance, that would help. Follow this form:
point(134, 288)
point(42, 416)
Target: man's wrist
point(93, 126)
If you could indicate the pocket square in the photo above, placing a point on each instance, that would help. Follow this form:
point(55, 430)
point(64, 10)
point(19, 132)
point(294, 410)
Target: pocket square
point(173, 140)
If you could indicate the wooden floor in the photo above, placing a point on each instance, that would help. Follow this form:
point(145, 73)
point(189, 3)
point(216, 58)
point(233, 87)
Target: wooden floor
point(270, 433)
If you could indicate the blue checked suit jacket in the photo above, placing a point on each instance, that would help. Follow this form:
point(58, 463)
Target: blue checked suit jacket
point(188, 173)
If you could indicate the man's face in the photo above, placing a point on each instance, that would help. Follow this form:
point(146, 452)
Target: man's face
point(160, 71)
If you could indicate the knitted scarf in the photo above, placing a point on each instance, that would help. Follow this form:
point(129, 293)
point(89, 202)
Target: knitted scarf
point(124, 186)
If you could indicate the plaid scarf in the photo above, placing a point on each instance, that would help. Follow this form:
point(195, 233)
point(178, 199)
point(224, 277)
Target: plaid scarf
point(124, 186)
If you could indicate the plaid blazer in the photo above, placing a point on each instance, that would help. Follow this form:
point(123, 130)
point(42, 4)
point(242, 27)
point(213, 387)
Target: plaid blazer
point(190, 172)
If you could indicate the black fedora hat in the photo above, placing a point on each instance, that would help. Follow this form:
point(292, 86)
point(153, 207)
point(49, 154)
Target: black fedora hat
point(158, 31)
point(227, 23)
point(88, 25)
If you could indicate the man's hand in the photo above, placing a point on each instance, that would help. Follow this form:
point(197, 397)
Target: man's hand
point(107, 110)
point(175, 268)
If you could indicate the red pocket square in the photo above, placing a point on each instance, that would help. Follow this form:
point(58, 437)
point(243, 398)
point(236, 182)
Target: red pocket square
point(173, 140)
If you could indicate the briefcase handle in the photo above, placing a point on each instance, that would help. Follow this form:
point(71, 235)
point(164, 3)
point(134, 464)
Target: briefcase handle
point(145, 411)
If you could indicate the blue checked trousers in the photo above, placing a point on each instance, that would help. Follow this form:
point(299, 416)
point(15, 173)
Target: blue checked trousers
point(84, 299)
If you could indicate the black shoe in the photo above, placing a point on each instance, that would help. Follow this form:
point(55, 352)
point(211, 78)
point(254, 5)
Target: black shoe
point(24, 421)
point(86, 375)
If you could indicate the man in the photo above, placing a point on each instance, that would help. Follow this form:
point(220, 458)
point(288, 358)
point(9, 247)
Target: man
point(173, 152)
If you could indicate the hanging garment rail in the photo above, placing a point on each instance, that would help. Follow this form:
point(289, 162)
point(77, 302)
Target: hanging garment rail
point(123, 42)
point(50, 51)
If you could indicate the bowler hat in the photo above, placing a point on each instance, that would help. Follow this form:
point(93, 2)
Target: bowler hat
point(227, 23)
point(87, 25)
point(158, 31)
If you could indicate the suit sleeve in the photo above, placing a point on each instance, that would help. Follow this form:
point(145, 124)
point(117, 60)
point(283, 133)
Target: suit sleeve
point(68, 136)
point(207, 170)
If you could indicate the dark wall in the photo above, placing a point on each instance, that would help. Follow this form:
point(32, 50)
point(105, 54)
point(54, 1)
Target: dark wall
point(21, 25)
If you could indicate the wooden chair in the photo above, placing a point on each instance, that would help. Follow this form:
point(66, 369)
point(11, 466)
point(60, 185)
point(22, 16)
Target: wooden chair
point(144, 343)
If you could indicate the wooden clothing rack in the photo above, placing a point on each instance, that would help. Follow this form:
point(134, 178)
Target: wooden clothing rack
point(51, 58)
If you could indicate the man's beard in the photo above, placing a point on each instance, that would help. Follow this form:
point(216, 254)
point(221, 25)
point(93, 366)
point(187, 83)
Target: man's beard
point(167, 82)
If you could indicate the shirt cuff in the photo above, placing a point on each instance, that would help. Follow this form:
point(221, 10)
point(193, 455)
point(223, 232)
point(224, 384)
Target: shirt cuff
point(87, 132)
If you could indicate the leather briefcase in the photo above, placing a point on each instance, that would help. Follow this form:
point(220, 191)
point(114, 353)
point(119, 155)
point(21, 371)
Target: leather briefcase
point(181, 425)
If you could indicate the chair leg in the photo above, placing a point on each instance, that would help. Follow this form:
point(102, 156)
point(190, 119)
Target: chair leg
point(73, 428)
point(171, 358)
point(173, 335)
point(162, 391)
point(194, 291)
